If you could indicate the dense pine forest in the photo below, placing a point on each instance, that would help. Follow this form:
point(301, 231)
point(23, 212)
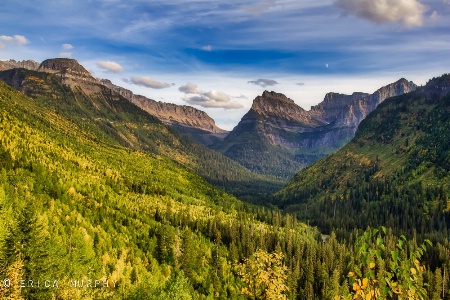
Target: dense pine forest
point(78, 206)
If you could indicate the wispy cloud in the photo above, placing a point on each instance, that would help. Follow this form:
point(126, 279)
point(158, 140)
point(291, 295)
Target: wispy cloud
point(190, 88)
point(14, 40)
point(211, 99)
point(67, 46)
point(300, 84)
point(66, 53)
point(407, 12)
point(110, 66)
point(148, 82)
point(207, 48)
point(218, 101)
point(260, 6)
point(263, 82)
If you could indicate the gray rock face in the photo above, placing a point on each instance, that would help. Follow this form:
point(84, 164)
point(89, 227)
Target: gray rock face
point(71, 72)
point(12, 64)
point(172, 114)
point(332, 105)
point(276, 124)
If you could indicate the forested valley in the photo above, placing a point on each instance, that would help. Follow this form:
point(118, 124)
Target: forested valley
point(75, 204)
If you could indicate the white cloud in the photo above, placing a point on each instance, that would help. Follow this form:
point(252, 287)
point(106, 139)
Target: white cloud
point(190, 88)
point(15, 40)
point(66, 46)
point(65, 54)
point(208, 99)
point(435, 16)
point(110, 66)
point(263, 82)
point(207, 48)
point(213, 99)
point(217, 96)
point(407, 12)
point(148, 82)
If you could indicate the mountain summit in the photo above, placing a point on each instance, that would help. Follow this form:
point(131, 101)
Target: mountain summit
point(277, 137)
point(190, 121)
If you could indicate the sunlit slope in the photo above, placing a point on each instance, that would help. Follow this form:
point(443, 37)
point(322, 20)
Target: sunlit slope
point(395, 172)
point(73, 207)
point(111, 118)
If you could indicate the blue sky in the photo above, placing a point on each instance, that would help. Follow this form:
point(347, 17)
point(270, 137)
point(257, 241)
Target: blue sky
point(219, 55)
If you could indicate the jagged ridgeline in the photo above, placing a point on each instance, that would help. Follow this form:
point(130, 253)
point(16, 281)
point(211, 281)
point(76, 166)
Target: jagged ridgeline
point(67, 88)
point(395, 172)
point(278, 138)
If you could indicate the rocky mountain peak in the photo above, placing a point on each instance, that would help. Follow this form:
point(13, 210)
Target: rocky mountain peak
point(333, 104)
point(277, 96)
point(12, 64)
point(271, 103)
point(64, 66)
point(72, 73)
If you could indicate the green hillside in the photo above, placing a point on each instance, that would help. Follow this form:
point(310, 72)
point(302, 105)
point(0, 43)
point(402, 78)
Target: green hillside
point(395, 172)
point(73, 207)
point(77, 209)
point(111, 118)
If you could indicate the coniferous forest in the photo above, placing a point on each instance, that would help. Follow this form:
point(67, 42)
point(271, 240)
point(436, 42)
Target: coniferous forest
point(105, 206)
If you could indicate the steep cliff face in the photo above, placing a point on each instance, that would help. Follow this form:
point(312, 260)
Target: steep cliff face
point(332, 105)
point(277, 127)
point(72, 73)
point(359, 108)
point(193, 122)
point(12, 64)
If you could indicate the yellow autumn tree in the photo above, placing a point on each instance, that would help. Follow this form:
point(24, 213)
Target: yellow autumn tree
point(264, 276)
point(398, 276)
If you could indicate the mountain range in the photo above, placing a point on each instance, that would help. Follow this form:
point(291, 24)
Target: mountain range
point(278, 138)
point(67, 88)
point(93, 187)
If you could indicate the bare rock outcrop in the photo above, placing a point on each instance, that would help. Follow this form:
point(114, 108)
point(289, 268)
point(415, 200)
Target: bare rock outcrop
point(12, 64)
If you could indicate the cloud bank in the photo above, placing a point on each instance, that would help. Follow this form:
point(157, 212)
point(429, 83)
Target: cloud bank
point(211, 99)
point(263, 82)
point(407, 12)
point(148, 82)
point(110, 66)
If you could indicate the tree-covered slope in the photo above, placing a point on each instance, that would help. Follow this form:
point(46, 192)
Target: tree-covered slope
point(112, 118)
point(75, 209)
point(395, 172)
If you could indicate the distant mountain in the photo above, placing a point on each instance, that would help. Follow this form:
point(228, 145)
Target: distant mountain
point(395, 172)
point(11, 64)
point(190, 121)
point(277, 137)
point(67, 88)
